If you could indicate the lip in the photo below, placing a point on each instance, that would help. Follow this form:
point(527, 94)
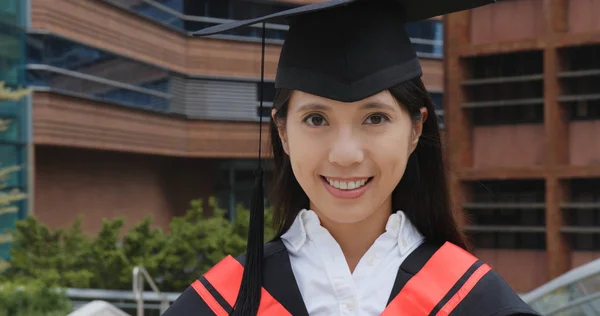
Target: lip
point(346, 194)
point(347, 179)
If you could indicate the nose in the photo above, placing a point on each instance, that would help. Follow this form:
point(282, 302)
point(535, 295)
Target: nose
point(346, 149)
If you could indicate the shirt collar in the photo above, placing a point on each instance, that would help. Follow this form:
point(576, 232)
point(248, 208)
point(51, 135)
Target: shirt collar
point(308, 226)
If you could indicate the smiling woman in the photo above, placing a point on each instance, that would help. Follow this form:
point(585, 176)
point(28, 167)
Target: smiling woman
point(347, 157)
point(364, 224)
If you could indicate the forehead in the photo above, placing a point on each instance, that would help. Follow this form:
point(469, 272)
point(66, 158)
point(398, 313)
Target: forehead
point(302, 100)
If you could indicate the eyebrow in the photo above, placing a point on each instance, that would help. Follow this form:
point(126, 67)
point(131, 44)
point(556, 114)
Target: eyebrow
point(378, 105)
point(312, 107)
point(320, 107)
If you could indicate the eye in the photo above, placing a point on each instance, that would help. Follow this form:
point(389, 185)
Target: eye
point(377, 119)
point(315, 120)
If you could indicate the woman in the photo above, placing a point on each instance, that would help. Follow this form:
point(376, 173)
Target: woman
point(360, 198)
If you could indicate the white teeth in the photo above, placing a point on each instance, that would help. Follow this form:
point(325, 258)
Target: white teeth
point(350, 185)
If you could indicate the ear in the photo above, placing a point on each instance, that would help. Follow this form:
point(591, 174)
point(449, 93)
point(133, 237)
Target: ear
point(418, 129)
point(281, 132)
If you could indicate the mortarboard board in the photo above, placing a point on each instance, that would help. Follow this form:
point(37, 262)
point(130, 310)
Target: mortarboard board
point(345, 50)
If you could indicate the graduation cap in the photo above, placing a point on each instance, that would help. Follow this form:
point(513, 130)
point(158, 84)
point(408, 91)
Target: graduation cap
point(345, 50)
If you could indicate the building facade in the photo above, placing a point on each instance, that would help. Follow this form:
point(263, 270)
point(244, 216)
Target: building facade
point(522, 82)
point(131, 116)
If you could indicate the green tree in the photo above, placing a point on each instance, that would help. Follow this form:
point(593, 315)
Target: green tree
point(68, 258)
point(107, 260)
point(198, 241)
point(32, 298)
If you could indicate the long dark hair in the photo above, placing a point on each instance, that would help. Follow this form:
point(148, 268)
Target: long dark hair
point(422, 192)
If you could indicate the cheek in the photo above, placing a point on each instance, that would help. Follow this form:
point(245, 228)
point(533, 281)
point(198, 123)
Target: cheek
point(391, 153)
point(304, 153)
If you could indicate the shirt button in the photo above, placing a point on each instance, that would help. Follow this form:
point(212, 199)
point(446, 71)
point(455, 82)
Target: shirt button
point(404, 243)
point(371, 261)
point(350, 305)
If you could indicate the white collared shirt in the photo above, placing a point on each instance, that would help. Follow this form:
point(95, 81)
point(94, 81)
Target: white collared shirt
point(322, 273)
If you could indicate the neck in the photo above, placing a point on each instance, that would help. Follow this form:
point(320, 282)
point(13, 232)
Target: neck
point(356, 238)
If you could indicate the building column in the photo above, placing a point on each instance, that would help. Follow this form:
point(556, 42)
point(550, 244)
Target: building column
point(556, 130)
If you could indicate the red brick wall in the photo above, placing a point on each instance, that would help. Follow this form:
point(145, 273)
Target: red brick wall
point(103, 184)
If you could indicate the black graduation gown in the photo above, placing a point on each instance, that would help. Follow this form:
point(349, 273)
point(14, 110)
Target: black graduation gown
point(476, 290)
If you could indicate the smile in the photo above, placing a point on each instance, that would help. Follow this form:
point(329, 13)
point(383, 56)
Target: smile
point(346, 189)
point(347, 185)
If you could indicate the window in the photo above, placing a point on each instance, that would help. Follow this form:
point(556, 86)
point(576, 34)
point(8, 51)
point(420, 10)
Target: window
point(585, 110)
point(13, 115)
point(10, 129)
point(507, 214)
point(505, 88)
point(269, 96)
point(174, 13)
point(268, 90)
point(12, 155)
point(72, 68)
point(581, 214)
point(235, 184)
point(508, 115)
point(427, 37)
point(438, 102)
point(11, 50)
point(159, 14)
point(580, 81)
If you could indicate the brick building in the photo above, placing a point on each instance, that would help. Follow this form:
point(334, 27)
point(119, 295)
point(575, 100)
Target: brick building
point(130, 116)
point(522, 82)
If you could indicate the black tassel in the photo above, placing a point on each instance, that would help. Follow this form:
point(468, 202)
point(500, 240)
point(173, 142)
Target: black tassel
point(248, 299)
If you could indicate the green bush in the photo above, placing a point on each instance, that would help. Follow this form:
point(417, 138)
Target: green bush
point(69, 258)
point(32, 299)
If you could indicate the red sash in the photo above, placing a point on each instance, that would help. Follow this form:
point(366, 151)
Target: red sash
point(436, 282)
point(423, 292)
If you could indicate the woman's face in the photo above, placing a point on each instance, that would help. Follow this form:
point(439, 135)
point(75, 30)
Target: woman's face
point(349, 157)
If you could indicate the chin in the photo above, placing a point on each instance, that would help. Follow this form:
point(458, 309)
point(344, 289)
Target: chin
point(346, 214)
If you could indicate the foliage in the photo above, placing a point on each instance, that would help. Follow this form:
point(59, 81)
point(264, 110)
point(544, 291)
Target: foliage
point(32, 299)
point(7, 94)
point(69, 258)
point(7, 198)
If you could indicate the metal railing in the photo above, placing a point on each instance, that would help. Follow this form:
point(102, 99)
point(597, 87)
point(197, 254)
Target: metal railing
point(140, 276)
point(578, 289)
point(587, 305)
point(120, 298)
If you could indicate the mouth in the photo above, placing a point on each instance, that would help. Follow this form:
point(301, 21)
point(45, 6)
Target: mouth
point(346, 189)
point(347, 185)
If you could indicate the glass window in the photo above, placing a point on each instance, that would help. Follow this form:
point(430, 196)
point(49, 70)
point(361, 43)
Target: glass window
point(427, 37)
point(11, 48)
point(504, 115)
point(10, 156)
point(239, 192)
point(438, 99)
point(161, 15)
point(9, 129)
point(12, 73)
point(173, 13)
point(268, 91)
point(73, 68)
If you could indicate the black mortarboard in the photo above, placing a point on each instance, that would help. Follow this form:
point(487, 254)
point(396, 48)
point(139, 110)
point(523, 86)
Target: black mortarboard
point(345, 50)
